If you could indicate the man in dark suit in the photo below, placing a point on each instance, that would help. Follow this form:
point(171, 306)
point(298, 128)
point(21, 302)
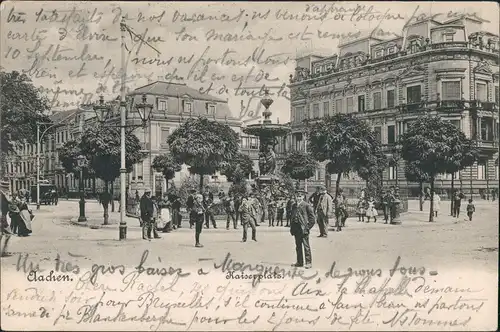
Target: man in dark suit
point(303, 220)
point(176, 211)
point(146, 206)
point(105, 198)
point(208, 200)
point(189, 207)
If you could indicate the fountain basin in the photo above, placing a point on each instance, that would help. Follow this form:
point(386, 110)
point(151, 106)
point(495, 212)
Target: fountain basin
point(267, 130)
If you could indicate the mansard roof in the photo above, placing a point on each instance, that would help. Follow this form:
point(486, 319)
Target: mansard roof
point(171, 89)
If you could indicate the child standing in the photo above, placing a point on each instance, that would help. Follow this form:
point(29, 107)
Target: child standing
point(361, 210)
point(371, 211)
point(470, 209)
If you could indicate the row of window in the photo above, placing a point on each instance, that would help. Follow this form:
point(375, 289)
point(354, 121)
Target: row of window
point(451, 90)
point(187, 106)
point(63, 136)
point(482, 174)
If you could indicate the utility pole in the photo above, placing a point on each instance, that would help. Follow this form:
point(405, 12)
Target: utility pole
point(38, 166)
point(123, 105)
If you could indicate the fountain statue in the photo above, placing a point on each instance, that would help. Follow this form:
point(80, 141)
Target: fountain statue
point(267, 132)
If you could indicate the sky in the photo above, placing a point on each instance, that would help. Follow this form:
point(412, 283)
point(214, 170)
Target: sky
point(229, 50)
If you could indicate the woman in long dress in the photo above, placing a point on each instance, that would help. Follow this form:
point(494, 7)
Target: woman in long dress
point(371, 211)
point(5, 229)
point(21, 216)
point(164, 206)
point(437, 203)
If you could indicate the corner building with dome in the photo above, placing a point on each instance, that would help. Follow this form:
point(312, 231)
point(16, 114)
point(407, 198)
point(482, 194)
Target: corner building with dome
point(447, 68)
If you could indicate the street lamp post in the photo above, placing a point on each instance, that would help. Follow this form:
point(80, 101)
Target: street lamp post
point(102, 113)
point(39, 137)
point(82, 161)
point(145, 112)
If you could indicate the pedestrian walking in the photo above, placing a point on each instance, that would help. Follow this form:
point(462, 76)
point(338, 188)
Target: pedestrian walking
point(262, 205)
point(341, 210)
point(27, 196)
point(105, 199)
point(5, 229)
point(387, 205)
point(208, 202)
point(361, 210)
point(322, 211)
point(288, 210)
point(457, 202)
point(228, 203)
point(371, 211)
point(176, 211)
point(314, 198)
point(198, 212)
point(165, 216)
point(470, 209)
point(156, 218)
point(280, 212)
point(56, 197)
point(189, 207)
point(147, 211)
point(437, 204)
point(303, 220)
point(271, 211)
point(249, 213)
point(237, 203)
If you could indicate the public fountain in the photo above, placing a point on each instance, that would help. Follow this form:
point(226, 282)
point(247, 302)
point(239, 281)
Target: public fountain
point(267, 132)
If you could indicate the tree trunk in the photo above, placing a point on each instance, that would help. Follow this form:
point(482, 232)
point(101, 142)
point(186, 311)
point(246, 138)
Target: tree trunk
point(452, 190)
point(431, 210)
point(112, 196)
point(421, 195)
point(105, 206)
point(166, 184)
point(201, 183)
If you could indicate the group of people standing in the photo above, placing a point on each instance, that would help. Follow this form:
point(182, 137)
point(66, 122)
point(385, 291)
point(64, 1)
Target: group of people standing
point(159, 214)
point(367, 206)
point(16, 216)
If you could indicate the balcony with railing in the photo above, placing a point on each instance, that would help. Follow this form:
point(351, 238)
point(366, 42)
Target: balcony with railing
point(484, 105)
point(413, 107)
point(487, 144)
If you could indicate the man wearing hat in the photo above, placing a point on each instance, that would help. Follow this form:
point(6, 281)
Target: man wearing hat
point(314, 199)
point(147, 213)
point(249, 214)
point(322, 209)
point(208, 202)
point(189, 207)
point(5, 230)
point(303, 220)
point(341, 210)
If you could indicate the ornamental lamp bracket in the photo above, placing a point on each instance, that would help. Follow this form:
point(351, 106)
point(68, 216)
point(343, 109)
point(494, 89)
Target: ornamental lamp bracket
point(144, 109)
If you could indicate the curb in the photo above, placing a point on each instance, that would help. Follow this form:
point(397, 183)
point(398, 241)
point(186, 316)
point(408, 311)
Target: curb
point(75, 222)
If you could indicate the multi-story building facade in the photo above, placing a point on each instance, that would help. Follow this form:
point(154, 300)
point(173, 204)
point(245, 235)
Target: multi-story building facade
point(172, 104)
point(446, 68)
point(21, 165)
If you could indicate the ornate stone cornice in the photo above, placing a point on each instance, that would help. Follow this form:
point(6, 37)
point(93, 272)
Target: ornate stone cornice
point(412, 72)
point(483, 68)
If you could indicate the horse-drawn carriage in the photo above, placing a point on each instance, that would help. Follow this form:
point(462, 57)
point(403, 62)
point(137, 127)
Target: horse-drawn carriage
point(48, 194)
